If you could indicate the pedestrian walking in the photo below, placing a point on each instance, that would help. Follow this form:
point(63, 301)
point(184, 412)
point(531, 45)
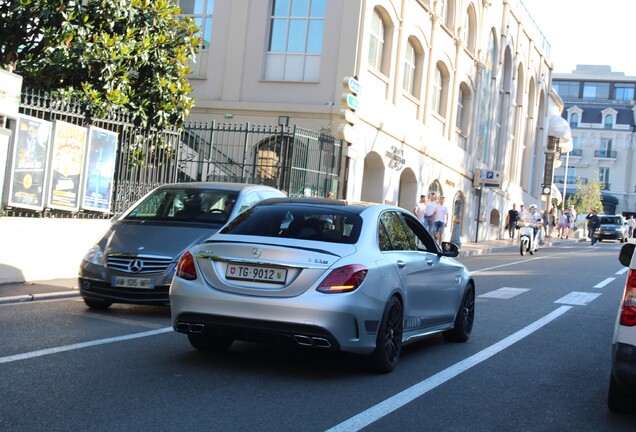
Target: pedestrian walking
point(630, 225)
point(593, 223)
point(429, 212)
point(441, 221)
point(420, 209)
point(551, 221)
point(511, 221)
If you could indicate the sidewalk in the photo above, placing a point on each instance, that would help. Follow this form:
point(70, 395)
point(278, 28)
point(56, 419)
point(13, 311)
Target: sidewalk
point(18, 292)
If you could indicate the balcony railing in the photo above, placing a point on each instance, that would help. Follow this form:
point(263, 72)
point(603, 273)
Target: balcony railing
point(576, 153)
point(559, 179)
point(605, 154)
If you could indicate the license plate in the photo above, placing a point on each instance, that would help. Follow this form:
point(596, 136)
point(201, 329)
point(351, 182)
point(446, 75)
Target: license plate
point(256, 273)
point(132, 282)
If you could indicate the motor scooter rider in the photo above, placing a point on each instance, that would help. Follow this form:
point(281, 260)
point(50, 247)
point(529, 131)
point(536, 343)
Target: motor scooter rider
point(536, 219)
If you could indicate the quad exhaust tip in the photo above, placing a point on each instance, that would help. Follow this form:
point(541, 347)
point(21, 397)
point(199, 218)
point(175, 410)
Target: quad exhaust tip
point(316, 342)
point(184, 327)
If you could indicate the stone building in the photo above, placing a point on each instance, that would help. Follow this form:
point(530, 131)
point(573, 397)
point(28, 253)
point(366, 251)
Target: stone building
point(436, 89)
point(599, 106)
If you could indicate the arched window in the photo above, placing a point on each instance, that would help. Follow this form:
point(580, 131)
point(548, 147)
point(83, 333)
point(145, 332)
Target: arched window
point(463, 114)
point(376, 42)
point(413, 64)
point(609, 121)
point(409, 68)
point(440, 89)
point(574, 120)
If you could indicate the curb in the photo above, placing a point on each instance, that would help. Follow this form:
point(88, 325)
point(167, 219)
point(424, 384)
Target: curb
point(466, 253)
point(36, 297)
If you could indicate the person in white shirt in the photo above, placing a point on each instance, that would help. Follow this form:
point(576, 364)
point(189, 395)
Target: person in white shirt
point(631, 222)
point(420, 209)
point(429, 215)
point(441, 221)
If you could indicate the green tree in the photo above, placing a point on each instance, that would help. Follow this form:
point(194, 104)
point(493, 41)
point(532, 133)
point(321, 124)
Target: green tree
point(588, 196)
point(129, 54)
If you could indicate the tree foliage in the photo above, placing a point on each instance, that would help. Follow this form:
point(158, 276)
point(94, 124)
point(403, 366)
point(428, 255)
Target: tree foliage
point(588, 196)
point(130, 54)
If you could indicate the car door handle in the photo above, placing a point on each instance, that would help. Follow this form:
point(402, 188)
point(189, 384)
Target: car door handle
point(429, 262)
point(401, 264)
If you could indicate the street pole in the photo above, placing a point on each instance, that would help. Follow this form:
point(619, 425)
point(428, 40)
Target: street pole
point(478, 214)
point(565, 180)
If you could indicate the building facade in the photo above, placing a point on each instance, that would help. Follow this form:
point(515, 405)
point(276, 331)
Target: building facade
point(600, 107)
point(436, 89)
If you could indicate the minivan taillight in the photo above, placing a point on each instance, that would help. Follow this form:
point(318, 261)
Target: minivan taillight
point(185, 268)
point(344, 279)
point(628, 310)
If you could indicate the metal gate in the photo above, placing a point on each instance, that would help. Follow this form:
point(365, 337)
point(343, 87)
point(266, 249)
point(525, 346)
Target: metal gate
point(299, 161)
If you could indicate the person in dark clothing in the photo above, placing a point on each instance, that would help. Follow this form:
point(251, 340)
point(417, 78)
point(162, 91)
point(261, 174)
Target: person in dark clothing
point(511, 221)
point(593, 223)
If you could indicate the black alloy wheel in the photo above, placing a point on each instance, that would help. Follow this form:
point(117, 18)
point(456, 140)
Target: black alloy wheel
point(389, 340)
point(465, 318)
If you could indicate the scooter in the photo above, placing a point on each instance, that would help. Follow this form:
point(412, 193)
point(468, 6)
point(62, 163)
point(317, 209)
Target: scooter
point(528, 237)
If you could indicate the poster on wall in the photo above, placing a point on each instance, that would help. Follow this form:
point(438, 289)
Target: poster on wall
point(27, 178)
point(69, 144)
point(100, 169)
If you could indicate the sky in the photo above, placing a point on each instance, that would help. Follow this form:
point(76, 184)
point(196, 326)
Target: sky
point(597, 32)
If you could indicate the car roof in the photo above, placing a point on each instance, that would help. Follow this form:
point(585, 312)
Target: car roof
point(216, 185)
point(353, 206)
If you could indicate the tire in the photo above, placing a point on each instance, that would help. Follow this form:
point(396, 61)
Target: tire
point(618, 400)
point(97, 304)
point(465, 318)
point(389, 339)
point(523, 246)
point(207, 343)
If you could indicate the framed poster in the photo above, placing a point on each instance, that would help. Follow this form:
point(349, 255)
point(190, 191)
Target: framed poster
point(99, 170)
point(67, 160)
point(28, 175)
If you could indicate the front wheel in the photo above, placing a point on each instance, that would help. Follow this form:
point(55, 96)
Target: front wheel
point(523, 245)
point(464, 320)
point(389, 340)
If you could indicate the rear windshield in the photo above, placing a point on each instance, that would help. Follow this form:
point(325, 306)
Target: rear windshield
point(298, 222)
point(611, 220)
point(200, 205)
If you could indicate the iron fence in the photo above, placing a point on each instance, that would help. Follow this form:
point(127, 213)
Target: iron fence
point(299, 161)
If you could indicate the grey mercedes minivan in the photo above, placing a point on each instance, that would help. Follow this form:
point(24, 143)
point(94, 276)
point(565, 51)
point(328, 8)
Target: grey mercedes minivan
point(135, 260)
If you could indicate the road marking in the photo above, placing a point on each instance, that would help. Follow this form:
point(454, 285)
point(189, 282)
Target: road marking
point(391, 404)
point(71, 347)
point(504, 293)
point(577, 298)
point(604, 283)
point(622, 271)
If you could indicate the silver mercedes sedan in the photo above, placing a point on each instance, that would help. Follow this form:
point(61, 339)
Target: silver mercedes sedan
point(135, 260)
point(326, 274)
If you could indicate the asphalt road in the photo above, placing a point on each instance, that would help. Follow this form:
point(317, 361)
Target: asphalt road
point(538, 360)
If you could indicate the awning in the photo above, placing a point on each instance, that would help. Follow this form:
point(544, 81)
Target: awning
point(556, 193)
point(559, 128)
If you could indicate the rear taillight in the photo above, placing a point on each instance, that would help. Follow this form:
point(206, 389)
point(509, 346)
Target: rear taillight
point(628, 311)
point(185, 268)
point(343, 279)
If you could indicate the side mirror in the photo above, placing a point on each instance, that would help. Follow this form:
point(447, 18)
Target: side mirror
point(625, 255)
point(450, 249)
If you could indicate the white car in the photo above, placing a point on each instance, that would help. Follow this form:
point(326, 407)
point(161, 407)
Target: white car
point(622, 385)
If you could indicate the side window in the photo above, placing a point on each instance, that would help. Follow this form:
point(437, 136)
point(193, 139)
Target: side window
point(383, 238)
point(397, 235)
point(423, 239)
point(249, 200)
